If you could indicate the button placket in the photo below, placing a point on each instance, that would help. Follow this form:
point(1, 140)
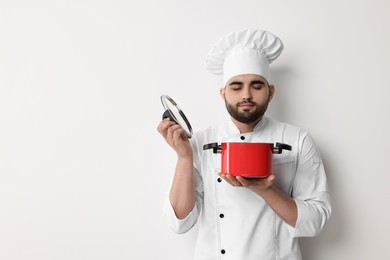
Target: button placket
point(221, 216)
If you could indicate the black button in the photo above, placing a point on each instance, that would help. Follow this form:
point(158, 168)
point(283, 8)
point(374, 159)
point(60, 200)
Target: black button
point(223, 251)
point(242, 137)
point(221, 215)
point(219, 179)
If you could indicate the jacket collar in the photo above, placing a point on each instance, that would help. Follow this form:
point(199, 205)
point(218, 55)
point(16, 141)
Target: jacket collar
point(233, 129)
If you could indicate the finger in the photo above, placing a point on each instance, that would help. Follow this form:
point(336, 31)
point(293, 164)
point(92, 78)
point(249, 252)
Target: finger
point(229, 179)
point(271, 179)
point(244, 182)
point(178, 134)
point(164, 125)
point(255, 183)
point(178, 137)
point(233, 180)
point(223, 176)
point(171, 132)
point(170, 128)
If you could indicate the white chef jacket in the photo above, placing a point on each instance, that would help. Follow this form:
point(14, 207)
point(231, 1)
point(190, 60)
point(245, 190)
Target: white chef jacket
point(234, 222)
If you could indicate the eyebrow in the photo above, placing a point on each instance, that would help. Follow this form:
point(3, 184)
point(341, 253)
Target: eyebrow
point(257, 82)
point(235, 83)
point(252, 82)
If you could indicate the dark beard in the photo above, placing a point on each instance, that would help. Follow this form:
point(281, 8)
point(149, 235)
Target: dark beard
point(246, 117)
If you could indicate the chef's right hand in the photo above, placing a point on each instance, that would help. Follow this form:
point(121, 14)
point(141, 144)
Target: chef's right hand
point(175, 136)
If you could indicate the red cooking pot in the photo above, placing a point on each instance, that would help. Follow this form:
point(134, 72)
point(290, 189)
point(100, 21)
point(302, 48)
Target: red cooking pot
point(250, 160)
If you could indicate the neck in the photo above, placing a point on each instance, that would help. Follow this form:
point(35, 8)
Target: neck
point(246, 128)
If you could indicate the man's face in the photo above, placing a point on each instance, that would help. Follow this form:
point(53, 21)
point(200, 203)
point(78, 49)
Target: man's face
point(246, 97)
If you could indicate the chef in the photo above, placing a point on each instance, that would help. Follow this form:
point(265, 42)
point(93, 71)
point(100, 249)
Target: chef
point(241, 218)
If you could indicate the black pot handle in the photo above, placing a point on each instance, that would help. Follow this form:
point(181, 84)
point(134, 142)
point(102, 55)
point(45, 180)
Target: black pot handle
point(280, 146)
point(215, 146)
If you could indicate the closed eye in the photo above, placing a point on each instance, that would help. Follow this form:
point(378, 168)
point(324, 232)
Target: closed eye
point(257, 82)
point(235, 85)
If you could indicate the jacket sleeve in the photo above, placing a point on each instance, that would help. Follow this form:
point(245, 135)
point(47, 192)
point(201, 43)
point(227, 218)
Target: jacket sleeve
point(181, 226)
point(310, 191)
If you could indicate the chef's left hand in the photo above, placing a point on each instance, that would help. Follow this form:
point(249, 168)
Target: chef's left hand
point(255, 184)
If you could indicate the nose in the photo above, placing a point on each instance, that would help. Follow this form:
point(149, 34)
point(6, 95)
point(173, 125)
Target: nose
point(246, 93)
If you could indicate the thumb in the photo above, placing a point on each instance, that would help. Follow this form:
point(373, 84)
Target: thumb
point(271, 178)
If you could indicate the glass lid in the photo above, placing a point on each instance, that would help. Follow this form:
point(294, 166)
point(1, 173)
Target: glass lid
point(173, 111)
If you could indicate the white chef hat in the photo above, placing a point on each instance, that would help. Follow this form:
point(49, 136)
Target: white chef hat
point(248, 51)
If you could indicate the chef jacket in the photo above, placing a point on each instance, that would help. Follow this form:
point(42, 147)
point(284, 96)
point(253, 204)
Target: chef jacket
point(234, 222)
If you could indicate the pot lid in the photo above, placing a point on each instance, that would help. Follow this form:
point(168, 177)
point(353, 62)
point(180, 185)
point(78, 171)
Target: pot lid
point(173, 112)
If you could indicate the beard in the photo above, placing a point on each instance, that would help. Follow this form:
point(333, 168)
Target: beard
point(246, 116)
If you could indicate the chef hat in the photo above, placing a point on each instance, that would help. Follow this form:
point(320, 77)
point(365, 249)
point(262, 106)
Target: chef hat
point(248, 51)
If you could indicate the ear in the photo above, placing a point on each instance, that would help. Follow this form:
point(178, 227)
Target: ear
point(222, 93)
point(271, 92)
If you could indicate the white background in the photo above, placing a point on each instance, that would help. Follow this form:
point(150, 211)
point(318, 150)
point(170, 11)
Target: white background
point(83, 171)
